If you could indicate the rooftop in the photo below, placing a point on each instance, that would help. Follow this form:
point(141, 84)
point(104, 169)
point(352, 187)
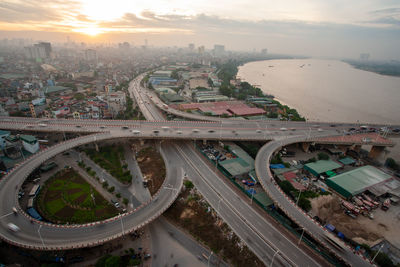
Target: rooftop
point(322, 166)
point(358, 180)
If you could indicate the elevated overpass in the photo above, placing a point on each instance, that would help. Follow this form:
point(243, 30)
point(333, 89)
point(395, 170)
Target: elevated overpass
point(45, 236)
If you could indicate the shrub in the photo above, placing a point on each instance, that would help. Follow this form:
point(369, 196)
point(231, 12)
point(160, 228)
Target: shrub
point(118, 195)
point(125, 201)
point(111, 189)
point(188, 184)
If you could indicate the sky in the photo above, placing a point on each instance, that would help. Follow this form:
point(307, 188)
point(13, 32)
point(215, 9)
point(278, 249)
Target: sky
point(319, 28)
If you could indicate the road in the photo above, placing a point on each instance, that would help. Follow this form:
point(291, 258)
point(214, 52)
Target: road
point(39, 235)
point(278, 132)
point(266, 179)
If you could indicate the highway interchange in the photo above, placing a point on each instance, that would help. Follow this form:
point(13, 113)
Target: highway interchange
point(259, 235)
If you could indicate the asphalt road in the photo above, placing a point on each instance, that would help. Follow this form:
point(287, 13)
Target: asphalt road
point(38, 235)
point(266, 179)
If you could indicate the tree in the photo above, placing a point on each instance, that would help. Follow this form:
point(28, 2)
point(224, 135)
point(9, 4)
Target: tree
point(323, 156)
point(391, 163)
point(188, 184)
point(286, 187)
point(102, 261)
point(304, 203)
point(113, 261)
point(125, 201)
point(79, 96)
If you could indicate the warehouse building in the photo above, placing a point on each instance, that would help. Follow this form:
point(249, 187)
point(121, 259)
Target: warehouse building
point(322, 166)
point(359, 180)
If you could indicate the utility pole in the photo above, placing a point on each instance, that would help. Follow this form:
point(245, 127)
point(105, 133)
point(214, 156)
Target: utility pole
point(301, 237)
point(297, 202)
point(379, 250)
point(272, 261)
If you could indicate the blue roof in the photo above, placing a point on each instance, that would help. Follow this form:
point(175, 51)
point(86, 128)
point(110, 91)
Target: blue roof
point(277, 166)
point(34, 214)
point(330, 227)
point(4, 132)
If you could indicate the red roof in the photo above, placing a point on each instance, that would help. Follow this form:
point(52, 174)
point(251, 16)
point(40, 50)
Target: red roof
point(291, 176)
point(246, 111)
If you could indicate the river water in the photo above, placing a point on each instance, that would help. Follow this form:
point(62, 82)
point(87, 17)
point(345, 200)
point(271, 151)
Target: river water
point(327, 90)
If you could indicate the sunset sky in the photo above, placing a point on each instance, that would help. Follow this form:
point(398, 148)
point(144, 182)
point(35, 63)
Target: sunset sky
point(336, 28)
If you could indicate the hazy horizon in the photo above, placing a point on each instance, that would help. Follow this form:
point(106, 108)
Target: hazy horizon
point(298, 27)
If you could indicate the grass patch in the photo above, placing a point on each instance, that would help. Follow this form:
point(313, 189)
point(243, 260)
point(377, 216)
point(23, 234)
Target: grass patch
point(110, 158)
point(67, 197)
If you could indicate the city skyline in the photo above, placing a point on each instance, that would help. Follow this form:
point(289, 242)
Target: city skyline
point(299, 27)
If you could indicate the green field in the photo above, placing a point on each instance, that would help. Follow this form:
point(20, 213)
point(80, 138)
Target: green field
point(110, 158)
point(68, 198)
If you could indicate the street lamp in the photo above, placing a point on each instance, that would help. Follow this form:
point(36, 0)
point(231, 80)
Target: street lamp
point(209, 258)
point(40, 226)
point(379, 250)
point(272, 261)
point(122, 225)
point(301, 237)
point(297, 202)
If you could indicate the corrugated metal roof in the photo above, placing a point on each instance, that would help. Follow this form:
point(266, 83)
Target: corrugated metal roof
point(358, 180)
point(322, 166)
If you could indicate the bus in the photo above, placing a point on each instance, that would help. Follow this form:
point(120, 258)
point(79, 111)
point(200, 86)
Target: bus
point(30, 203)
point(35, 190)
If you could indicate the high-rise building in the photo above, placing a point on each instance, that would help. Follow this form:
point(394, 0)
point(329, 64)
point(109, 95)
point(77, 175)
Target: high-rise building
point(90, 55)
point(364, 56)
point(219, 50)
point(201, 49)
point(40, 50)
point(191, 47)
point(264, 51)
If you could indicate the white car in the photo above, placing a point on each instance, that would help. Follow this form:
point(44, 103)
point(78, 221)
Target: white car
point(283, 129)
point(42, 124)
point(135, 131)
point(179, 132)
point(13, 227)
point(165, 128)
point(320, 130)
point(258, 131)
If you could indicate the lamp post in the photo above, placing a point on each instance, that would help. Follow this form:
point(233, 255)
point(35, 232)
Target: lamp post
point(273, 257)
point(379, 250)
point(209, 258)
point(301, 237)
point(40, 226)
point(297, 202)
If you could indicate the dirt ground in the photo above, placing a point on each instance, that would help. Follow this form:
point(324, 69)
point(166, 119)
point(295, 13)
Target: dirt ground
point(152, 166)
point(362, 230)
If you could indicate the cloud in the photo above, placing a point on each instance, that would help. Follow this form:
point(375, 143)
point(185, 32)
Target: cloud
point(36, 11)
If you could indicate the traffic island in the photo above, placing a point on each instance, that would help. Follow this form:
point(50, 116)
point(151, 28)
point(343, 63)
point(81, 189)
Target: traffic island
point(67, 198)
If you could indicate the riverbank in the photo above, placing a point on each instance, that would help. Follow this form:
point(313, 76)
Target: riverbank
point(327, 90)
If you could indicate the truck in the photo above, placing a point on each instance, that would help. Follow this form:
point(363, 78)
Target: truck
point(351, 207)
point(48, 166)
point(386, 204)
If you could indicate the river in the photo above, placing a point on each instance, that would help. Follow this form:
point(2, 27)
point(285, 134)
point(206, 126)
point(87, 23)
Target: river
point(327, 90)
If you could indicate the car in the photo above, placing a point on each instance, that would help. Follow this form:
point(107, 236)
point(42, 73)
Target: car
point(78, 126)
point(333, 125)
point(42, 125)
point(396, 130)
point(211, 131)
point(103, 127)
point(156, 131)
point(179, 132)
point(320, 130)
point(124, 127)
point(135, 131)
point(283, 129)
point(29, 126)
point(13, 227)
point(258, 131)
point(293, 129)
point(165, 128)
point(195, 130)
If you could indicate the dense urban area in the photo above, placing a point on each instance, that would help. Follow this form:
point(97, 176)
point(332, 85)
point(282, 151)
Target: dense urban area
point(347, 183)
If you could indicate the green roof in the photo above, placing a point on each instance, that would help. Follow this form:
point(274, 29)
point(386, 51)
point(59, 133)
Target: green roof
point(4, 132)
point(28, 138)
point(356, 181)
point(52, 89)
point(321, 166)
point(347, 161)
point(263, 198)
point(235, 166)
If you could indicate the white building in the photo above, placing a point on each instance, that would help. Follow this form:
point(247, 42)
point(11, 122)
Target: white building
point(30, 143)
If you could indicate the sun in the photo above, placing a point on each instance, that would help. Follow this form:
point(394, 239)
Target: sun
point(91, 31)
